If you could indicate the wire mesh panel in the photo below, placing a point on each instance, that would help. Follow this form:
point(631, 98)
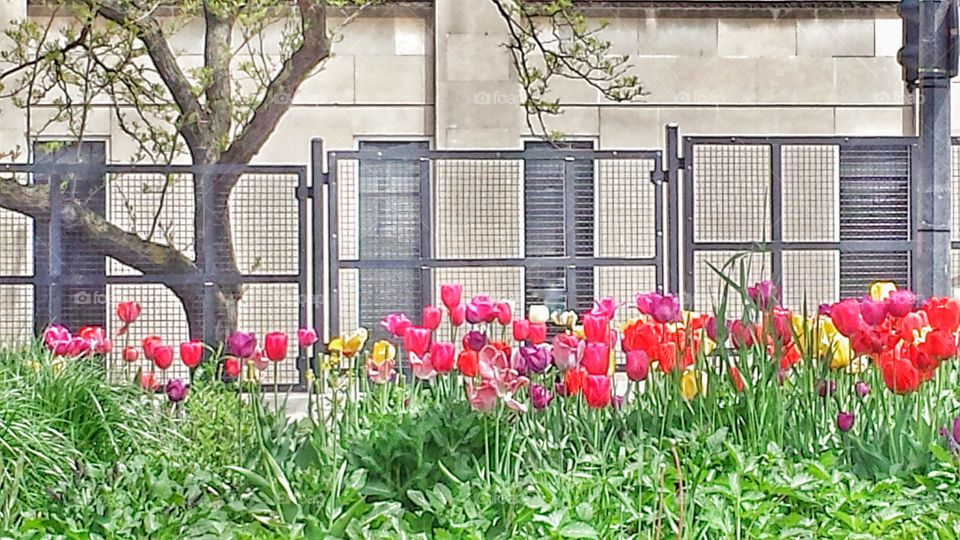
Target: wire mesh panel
point(623, 283)
point(731, 193)
point(16, 264)
point(741, 268)
point(478, 209)
point(832, 213)
point(265, 222)
point(162, 315)
point(268, 307)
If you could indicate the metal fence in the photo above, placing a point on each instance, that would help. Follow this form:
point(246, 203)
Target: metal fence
point(377, 229)
point(51, 272)
point(822, 216)
point(555, 225)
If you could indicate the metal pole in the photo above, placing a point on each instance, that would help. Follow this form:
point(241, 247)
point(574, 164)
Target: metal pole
point(673, 207)
point(55, 263)
point(931, 181)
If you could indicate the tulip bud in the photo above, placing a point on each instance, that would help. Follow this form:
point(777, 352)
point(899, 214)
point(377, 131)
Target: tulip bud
point(538, 333)
point(540, 397)
point(844, 421)
point(826, 388)
point(130, 354)
point(862, 389)
point(521, 329)
point(306, 337)
point(432, 317)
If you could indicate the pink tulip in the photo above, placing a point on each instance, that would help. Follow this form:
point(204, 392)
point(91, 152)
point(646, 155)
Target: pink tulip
point(458, 315)
point(595, 328)
point(441, 354)
point(416, 340)
point(638, 365)
point(396, 323)
point(521, 329)
point(504, 313)
point(596, 358)
point(481, 309)
point(422, 366)
point(565, 348)
point(538, 333)
point(432, 315)
point(606, 308)
point(450, 294)
point(306, 337)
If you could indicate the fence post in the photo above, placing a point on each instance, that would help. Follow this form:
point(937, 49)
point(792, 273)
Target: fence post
point(209, 259)
point(931, 181)
point(673, 207)
point(55, 264)
point(776, 214)
point(318, 180)
point(426, 232)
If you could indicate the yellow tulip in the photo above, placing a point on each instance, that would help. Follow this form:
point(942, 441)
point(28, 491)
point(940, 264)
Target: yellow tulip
point(57, 366)
point(841, 353)
point(383, 351)
point(566, 319)
point(36, 366)
point(578, 331)
point(881, 289)
point(690, 384)
point(350, 344)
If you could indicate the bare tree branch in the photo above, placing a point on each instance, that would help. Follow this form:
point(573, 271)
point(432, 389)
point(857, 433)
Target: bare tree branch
point(313, 49)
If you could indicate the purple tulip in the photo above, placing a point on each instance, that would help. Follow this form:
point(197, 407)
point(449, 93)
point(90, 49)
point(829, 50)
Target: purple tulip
point(826, 388)
point(474, 340)
point(713, 327)
point(901, 302)
point(561, 389)
point(873, 313)
point(540, 397)
point(535, 358)
point(242, 344)
point(176, 390)
point(824, 310)
point(663, 308)
point(764, 294)
point(617, 402)
point(862, 389)
point(844, 421)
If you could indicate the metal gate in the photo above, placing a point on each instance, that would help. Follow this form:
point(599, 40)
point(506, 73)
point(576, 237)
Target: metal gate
point(557, 225)
point(821, 216)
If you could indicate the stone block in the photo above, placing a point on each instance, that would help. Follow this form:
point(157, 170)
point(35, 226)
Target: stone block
point(333, 83)
point(678, 37)
point(871, 121)
point(391, 79)
point(869, 81)
point(757, 37)
point(888, 35)
point(473, 57)
point(410, 34)
point(835, 37)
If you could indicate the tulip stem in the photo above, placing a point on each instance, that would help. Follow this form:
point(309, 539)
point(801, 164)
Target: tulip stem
point(276, 387)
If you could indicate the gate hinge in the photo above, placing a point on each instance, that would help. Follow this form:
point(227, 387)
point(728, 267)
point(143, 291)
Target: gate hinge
point(304, 192)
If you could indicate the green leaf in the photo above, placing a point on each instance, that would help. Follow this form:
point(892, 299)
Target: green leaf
point(418, 498)
point(577, 529)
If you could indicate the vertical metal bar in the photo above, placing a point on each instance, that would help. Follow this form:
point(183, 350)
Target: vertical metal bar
point(658, 225)
point(426, 232)
point(776, 212)
point(931, 183)
point(209, 259)
point(333, 231)
point(318, 181)
point(689, 287)
point(55, 269)
point(570, 227)
point(673, 207)
point(304, 300)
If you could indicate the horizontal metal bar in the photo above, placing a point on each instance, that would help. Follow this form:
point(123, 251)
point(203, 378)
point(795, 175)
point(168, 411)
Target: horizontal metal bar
point(175, 279)
point(219, 168)
point(801, 140)
point(531, 262)
point(404, 153)
point(884, 246)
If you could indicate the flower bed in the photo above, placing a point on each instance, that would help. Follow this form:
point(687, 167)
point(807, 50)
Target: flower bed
point(477, 422)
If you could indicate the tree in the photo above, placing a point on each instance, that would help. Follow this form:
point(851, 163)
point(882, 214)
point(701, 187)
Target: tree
point(215, 115)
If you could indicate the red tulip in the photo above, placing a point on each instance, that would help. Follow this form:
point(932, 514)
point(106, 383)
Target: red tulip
point(450, 294)
point(596, 390)
point(596, 358)
point(867, 341)
point(163, 356)
point(736, 378)
point(939, 344)
point(191, 352)
point(458, 315)
point(638, 365)
point(845, 315)
point(306, 337)
point(128, 312)
point(899, 373)
point(468, 363)
point(641, 336)
point(943, 313)
point(521, 329)
point(538, 333)
point(667, 356)
point(130, 354)
point(873, 312)
point(741, 335)
point(911, 324)
point(595, 328)
point(504, 313)
point(441, 354)
point(275, 346)
point(417, 340)
point(573, 379)
point(149, 343)
point(231, 367)
point(432, 316)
